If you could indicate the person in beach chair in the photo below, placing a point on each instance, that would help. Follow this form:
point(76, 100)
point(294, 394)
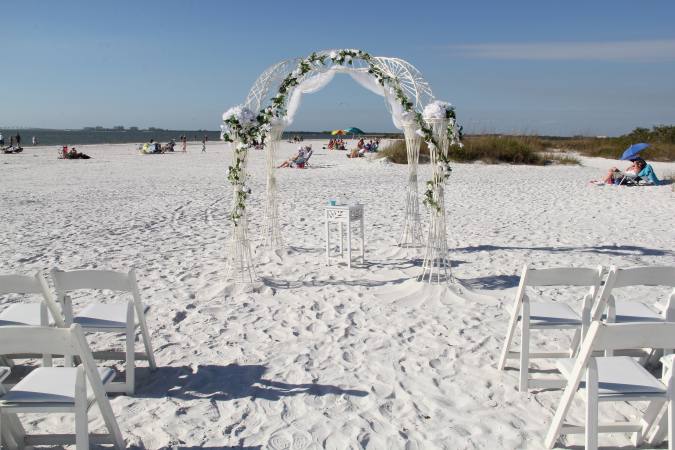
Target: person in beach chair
point(614, 175)
point(646, 174)
point(302, 161)
point(300, 154)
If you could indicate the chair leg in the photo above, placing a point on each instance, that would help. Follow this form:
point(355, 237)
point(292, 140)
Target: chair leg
point(130, 369)
point(574, 345)
point(513, 322)
point(648, 421)
point(81, 421)
point(592, 405)
point(148, 346)
point(524, 350)
point(671, 425)
point(14, 431)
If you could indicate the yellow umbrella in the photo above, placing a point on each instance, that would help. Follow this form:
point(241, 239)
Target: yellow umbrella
point(334, 132)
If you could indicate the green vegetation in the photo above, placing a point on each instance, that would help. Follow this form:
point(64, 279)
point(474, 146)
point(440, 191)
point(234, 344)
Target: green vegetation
point(661, 138)
point(489, 149)
point(537, 150)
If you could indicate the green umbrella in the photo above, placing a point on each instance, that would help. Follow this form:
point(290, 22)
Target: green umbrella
point(353, 130)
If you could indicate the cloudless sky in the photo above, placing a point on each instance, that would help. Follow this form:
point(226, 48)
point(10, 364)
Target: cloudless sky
point(575, 67)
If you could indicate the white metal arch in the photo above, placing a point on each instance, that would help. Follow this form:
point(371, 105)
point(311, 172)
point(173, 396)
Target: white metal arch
point(416, 88)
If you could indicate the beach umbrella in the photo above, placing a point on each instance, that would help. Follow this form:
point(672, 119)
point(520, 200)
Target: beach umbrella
point(633, 150)
point(339, 132)
point(353, 130)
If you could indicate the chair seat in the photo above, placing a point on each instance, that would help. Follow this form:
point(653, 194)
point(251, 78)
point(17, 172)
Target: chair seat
point(100, 315)
point(627, 311)
point(51, 385)
point(552, 314)
point(23, 314)
point(618, 375)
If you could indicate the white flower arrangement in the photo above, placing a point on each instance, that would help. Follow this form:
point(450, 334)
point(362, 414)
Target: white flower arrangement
point(408, 117)
point(244, 116)
point(438, 110)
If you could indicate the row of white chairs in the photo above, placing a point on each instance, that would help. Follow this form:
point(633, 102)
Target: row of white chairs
point(602, 325)
point(53, 327)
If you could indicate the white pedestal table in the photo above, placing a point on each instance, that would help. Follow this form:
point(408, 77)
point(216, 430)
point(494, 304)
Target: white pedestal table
point(345, 216)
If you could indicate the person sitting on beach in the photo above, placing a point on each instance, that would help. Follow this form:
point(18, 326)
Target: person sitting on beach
point(301, 160)
point(646, 172)
point(64, 152)
point(355, 153)
point(615, 175)
point(299, 155)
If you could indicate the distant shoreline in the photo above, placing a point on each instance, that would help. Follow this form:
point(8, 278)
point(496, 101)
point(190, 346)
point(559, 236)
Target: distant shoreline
point(93, 136)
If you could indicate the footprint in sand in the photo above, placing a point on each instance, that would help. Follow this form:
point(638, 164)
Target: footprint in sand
point(301, 441)
point(279, 442)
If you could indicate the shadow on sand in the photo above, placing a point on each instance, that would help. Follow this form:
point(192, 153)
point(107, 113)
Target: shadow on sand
point(226, 383)
point(613, 250)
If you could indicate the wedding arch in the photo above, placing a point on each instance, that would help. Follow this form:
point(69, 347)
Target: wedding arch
point(271, 106)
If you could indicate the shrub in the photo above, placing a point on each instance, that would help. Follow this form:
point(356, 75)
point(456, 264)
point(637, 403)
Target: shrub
point(490, 149)
point(496, 149)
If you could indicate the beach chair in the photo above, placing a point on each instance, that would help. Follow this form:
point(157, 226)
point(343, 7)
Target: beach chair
point(108, 317)
point(43, 313)
point(55, 389)
point(616, 379)
point(303, 162)
point(548, 315)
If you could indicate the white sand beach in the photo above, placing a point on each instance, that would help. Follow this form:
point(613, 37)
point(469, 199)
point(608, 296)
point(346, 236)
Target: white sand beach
point(317, 356)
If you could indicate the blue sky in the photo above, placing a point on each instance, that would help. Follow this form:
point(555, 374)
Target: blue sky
point(595, 68)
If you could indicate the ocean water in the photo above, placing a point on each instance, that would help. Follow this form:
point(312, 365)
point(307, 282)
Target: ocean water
point(80, 137)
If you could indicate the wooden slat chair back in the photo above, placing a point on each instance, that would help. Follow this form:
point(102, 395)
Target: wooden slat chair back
point(548, 315)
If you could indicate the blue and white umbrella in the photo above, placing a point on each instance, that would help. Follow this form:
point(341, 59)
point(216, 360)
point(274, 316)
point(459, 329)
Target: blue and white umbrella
point(633, 150)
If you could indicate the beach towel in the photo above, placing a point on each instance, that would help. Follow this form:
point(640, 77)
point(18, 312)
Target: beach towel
point(647, 173)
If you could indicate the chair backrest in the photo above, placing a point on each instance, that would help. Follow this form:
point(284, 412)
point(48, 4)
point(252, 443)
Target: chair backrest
point(25, 284)
point(66, 281)
point(609, 336)
point(636, 276)
point(560, 276)
point(644, 276)
point(19, 284)
point(73, 280)
point(16, 339)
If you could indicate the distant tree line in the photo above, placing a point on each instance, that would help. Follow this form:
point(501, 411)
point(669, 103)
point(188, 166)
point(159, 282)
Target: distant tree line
point(121, 128)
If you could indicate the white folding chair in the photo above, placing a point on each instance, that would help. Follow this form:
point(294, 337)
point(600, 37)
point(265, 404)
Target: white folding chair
point(615, 379)
point(44, 313)
point(56, 389)
point(622, 311)
point(108, 317)
point(547, 316)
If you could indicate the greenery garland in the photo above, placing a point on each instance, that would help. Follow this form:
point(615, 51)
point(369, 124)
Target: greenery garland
point(240, 126)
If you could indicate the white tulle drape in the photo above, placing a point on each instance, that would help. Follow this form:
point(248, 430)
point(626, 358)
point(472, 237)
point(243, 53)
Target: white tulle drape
point(309, 86)
point(318, 81)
